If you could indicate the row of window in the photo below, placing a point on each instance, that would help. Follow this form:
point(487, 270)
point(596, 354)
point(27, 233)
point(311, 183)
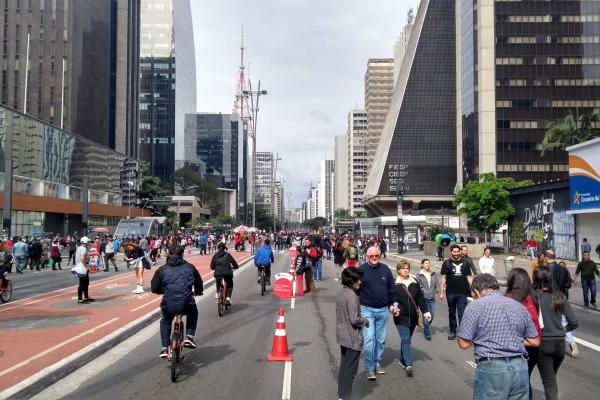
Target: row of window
point(508, 124)
point(532, 167)
point(545, 81)
point(548, 103)
point(547, 39)
point(547, 18)
point(548, 60)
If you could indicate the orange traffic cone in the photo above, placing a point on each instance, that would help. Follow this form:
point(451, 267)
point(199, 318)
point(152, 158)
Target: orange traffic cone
point(292, 270)
point(279, 352)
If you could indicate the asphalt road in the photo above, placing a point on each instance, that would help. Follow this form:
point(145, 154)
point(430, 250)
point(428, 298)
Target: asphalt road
point(230, 362)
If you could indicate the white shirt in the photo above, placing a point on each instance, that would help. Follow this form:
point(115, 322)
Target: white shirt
point(486, 265)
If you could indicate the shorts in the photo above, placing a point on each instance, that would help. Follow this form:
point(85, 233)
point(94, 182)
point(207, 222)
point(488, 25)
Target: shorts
point(138, 264)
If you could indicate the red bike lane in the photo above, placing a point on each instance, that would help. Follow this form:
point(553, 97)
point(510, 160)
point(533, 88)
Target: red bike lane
point(37, 332)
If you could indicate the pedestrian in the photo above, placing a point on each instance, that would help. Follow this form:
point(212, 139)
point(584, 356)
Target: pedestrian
point(430, 285)
point(318, 260)
point(82, 257)
point(109, 254)
point(202, 241)
point(532, 247)
point(465, 255)
point(377, 294)
point(303, 266)
point(383, 246)
point(55, 255)
point(72, 247)
point(20, 252)
point(351, 254)
point(588, 270)
point(539, 261)
point(348, 332)
point(133, 256)
point(456, 278)
point(585, 247)
point(519, 288)
point(410, 299)
point(554, 306)
point(338, 259)
point(486, 263)
point(499, 328)
point(35, 253)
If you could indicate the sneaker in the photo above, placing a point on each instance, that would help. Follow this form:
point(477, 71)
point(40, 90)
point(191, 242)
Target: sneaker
point(228, 301)
point(336, 279)
point(90, 300)
point(574, 350)
point(452, 336)
point(409, 371)
point(380, 371)
point(135, 290)
point(400, 363)
point(217, 296)
point(189, 342)
point(163, 353)
point(428, 338)
point(593, 305)
point(371, 376)
point(258, 281)
point(82, 301)
point(139, 290)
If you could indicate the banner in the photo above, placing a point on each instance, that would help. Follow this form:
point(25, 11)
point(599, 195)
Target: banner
point(584, 176)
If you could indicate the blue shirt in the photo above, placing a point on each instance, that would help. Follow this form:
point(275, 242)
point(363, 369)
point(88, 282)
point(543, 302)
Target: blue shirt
point(377, 287)
point(497, 326)
point(586, 247)
point(202, 240)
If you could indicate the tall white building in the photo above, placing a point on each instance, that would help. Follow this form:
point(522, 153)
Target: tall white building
point(342, 200)
point(326, 190)
point(264, 181)
point(402, 43)
point(357, 159)
point(313, 202)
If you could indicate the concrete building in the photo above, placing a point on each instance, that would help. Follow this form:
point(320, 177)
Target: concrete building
point(188, 209)
point(326, 190)
point(356, 150)
point(81, 59)
point(342, 200)
point(214, 147)
point(415, 153)
point(312, 203)
point(167, 83)
point(402, 43)
point(264, 181)
point(522, 65)
point(379, 85)
point(304, 212)
point(279, 209)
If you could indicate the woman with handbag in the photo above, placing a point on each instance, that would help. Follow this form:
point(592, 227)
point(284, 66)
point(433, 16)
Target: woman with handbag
point(413, 309)
point(82, 261)
point(134, 255)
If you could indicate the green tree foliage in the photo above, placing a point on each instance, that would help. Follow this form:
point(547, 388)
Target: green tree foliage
point(434, 230)
point(264, 221)
point(189, 182)
point(341, 213)
point(517, 235)
point(485, 202)
point(315, 223)
point(569, 131)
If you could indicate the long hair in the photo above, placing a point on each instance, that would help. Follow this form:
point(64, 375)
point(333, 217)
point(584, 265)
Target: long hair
point(543, 282)
point(338, 246)
point(518, 285)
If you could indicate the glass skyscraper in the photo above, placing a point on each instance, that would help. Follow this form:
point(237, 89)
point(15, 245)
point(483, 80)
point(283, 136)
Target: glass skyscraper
point(167, 83)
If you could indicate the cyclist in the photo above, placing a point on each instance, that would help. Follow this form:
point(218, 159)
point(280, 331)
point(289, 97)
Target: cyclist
point(223, 264)
point(175, 281)
point(263, 258)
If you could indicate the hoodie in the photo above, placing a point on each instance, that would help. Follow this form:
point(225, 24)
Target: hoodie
point(174, 281)
point(223, 264)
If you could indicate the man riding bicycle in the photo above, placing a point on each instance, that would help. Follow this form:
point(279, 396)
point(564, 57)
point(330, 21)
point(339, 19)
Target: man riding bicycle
point(223, 264)
point(175, 281)
point(263, 259)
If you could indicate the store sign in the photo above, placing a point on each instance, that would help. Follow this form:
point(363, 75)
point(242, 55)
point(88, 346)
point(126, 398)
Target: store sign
point(584, 176)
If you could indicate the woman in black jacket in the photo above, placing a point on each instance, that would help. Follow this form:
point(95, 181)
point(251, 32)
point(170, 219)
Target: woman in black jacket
point(223, 264)
point(338, 259)
point(409, 296)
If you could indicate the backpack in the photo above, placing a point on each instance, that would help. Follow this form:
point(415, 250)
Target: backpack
point(302, 264)
point(352, 253)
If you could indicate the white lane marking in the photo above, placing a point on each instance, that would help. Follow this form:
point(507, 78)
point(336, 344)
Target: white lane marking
point(472, 364)
point(293, 303)
point(146, 304)
point(587, 344)
point(58, 346)
point(287, 381)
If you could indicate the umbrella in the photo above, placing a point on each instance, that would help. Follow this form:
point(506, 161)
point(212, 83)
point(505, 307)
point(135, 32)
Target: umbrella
point(442, 238)
point(240, 229)
point(100, 230)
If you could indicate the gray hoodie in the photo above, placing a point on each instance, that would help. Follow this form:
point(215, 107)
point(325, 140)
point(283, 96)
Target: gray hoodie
point(429, 288)
point(349, 322)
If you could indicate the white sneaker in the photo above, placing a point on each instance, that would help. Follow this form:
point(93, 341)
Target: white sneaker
point(139, 290)
point(135, 290)
point(574, 350)
point(217, 296)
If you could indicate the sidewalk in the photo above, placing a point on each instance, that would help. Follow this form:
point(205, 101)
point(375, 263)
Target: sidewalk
point(575, 293)
point(41, 331)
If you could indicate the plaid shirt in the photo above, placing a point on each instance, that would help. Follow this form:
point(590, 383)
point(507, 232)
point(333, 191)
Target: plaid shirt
point(497, 326)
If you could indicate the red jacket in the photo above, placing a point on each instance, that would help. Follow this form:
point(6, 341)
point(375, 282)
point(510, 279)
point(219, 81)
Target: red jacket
point(532, 309)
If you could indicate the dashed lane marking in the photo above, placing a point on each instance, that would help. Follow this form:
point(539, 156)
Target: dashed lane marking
point(287, 381)
point(587, 344)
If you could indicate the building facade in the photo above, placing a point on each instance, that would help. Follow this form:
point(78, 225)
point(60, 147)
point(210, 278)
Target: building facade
point(415, 156)
point(167, 83)
point(214, 147)
point(402, 43)
point(341, 173)
point(356, 149)
point(88, 89)
point(522, 65)
point(379, 85)
point(326, 189)
point(264, 178)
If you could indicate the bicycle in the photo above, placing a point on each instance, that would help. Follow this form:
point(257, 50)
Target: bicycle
point(262, 280)
point(222, 304)
point(6, 293)
point(175, 349)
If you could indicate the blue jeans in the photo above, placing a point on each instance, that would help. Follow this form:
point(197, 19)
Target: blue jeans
point(431, 306)
point(501, 379)
point(588, 286)
point(318, 269)
point(374, 336)
point(406, 333)
point(21, 263)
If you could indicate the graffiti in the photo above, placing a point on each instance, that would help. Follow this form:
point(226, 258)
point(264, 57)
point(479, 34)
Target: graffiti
point(563, 229)
point(537, 220)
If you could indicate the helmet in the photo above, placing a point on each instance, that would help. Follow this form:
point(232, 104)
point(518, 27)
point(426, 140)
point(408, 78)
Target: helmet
point(84, 239)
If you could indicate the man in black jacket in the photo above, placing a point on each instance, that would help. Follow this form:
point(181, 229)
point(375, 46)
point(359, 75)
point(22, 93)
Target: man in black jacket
point(175, 281)
point(223, 264)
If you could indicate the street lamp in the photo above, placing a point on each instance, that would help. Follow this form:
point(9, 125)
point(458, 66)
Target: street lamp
point(254, 110)
point(273, 181)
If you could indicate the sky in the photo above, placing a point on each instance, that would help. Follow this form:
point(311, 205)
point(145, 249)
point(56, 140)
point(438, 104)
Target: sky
point(311, 57)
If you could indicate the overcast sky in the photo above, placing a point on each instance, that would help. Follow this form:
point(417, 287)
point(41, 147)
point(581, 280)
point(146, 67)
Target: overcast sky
point(311, 56)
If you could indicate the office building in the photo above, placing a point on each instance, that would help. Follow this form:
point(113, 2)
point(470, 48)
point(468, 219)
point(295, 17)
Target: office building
point(278, 206)
point(313, 202)
point(402, 43)
point(214, 147)
point(379, 85)
point(342, 201)
point(416, 152)
point(356, 150)
point(81, 59)
point(522, 65)
point(326, 190)
point(167, 83)
point(264, 181)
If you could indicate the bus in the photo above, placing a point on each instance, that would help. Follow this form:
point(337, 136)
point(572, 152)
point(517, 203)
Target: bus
point(147, 226)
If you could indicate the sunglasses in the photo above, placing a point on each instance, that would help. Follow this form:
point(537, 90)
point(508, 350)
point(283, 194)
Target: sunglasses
point(374, 256)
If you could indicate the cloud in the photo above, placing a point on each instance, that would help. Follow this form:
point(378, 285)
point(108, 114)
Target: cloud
point(310, 55)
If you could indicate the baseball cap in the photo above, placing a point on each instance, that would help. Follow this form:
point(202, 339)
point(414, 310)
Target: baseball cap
point(84, 239)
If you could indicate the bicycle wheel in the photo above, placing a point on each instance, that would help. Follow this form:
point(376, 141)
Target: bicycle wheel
point(7, 293)
point(220, 306)
point(263, 282)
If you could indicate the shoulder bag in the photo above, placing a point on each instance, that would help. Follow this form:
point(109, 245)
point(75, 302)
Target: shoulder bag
point(420, 321)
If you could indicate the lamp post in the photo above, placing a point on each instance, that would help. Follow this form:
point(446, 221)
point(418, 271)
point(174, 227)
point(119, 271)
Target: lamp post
point(273, 182)
point(254, 111)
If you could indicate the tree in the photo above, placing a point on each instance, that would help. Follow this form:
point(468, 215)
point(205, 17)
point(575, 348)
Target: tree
point(189, 182)
point(569, 131)
point(315, 223)
point(341, 213)
point(485, 202)
point(434, 230)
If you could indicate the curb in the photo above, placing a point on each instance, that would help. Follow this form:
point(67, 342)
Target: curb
point(55, 372)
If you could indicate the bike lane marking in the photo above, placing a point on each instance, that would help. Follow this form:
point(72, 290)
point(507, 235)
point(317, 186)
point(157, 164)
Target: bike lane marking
point(287, 381)
point(56, 347)
point(587, 344)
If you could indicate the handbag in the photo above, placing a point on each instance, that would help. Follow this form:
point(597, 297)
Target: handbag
point(145, 263)
point(420, 321)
